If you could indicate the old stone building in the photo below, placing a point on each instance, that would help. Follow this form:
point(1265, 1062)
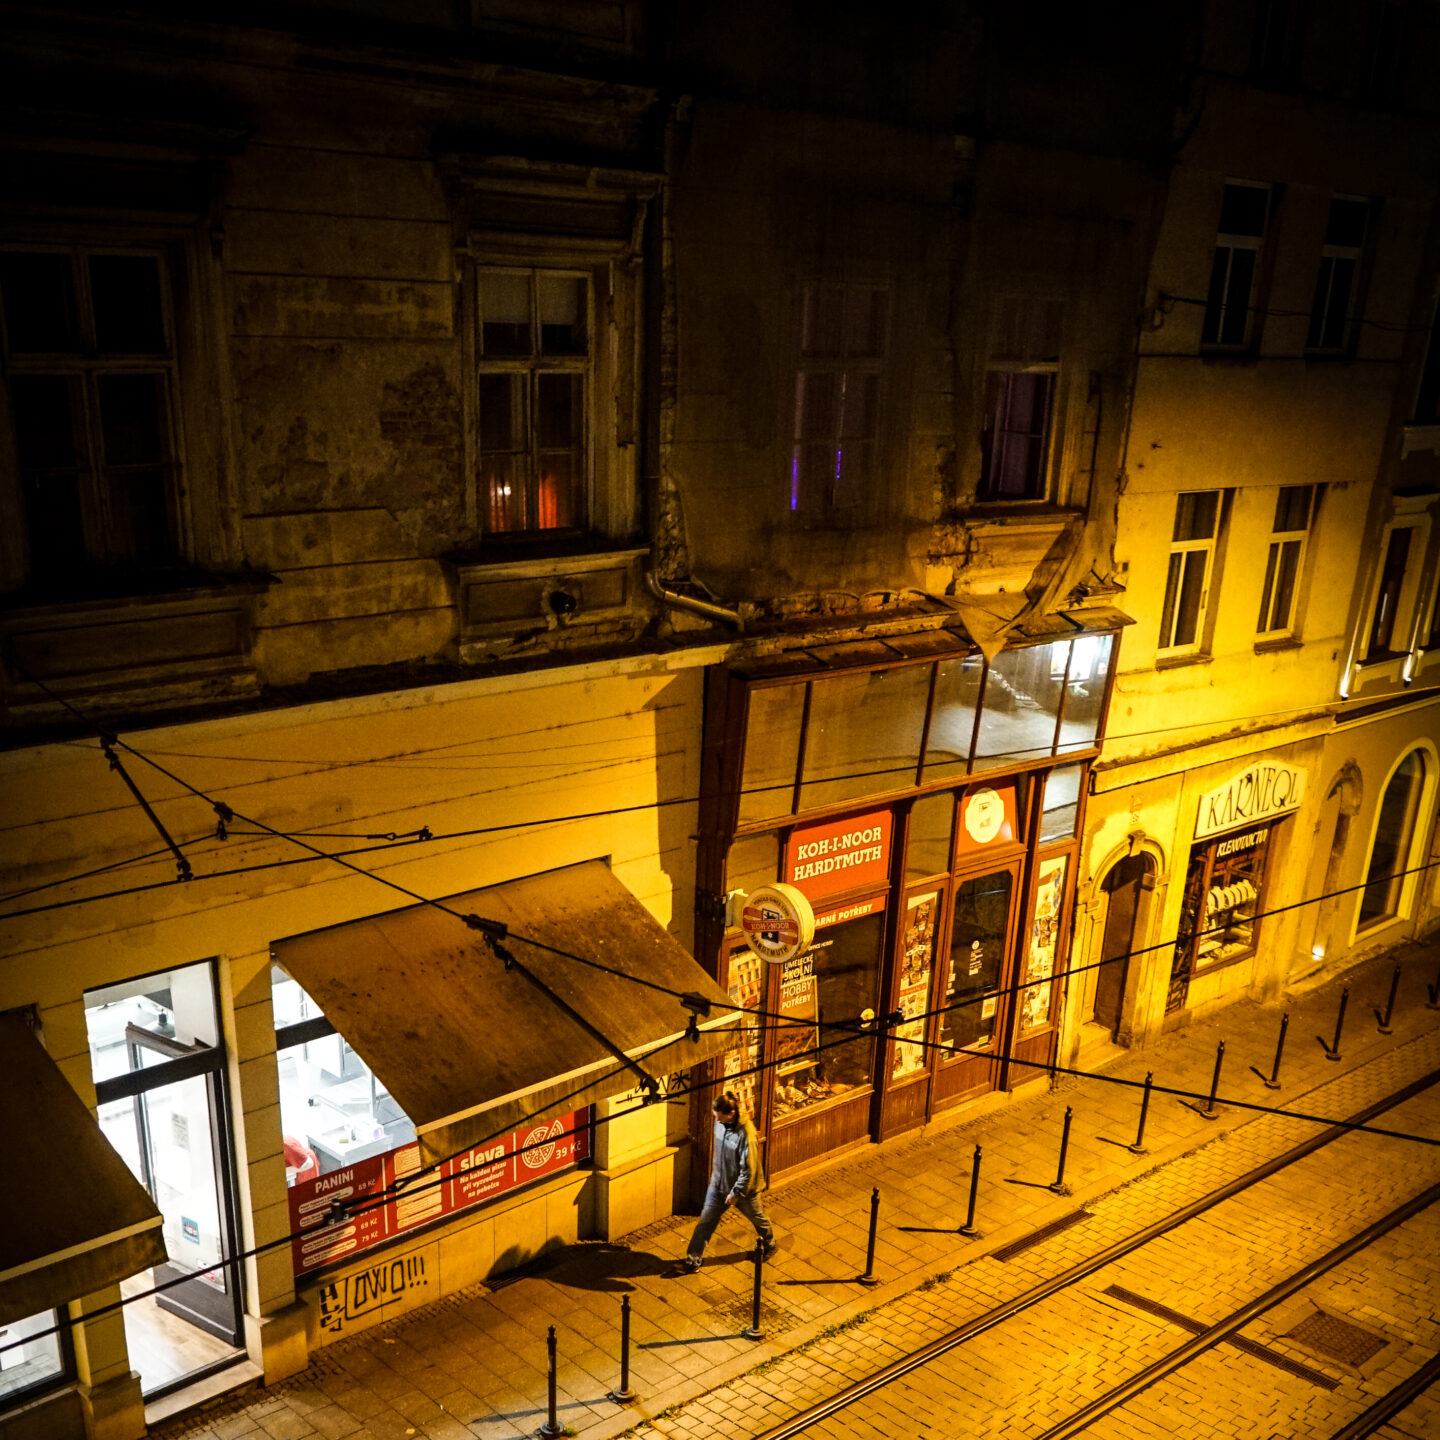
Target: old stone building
point(567, 468)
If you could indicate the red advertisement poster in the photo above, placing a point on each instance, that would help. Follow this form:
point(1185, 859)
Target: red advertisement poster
point(477, 1175)
point(840, 855)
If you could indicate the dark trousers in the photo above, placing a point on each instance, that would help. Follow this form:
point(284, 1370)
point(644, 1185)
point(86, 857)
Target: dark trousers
point(714, 1208)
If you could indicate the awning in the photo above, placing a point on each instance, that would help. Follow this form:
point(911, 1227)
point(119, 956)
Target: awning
point(471, 1050)
point(73, 1219)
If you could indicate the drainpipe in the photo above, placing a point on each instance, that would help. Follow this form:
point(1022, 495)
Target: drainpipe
point(695, 607)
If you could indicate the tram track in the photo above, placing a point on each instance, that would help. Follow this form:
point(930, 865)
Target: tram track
point(1118, 1250)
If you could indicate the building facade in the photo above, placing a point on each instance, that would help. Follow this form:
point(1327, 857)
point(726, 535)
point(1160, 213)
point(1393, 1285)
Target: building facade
point(482, 498)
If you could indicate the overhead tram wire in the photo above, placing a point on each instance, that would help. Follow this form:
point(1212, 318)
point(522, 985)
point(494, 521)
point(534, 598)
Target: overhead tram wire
point(409, 1187)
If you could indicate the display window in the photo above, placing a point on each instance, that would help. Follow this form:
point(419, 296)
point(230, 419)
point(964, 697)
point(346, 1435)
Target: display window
point(918, 941)
point(1042, 942)
point(979, 933)
point(33, 1356)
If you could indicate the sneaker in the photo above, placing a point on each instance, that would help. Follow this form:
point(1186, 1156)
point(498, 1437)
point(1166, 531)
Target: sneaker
point(771, 1246)
point(690, 1264)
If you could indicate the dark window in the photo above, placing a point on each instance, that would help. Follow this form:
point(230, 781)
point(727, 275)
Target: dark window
point(532, 398)
point(843, 338)
point(1244, 211)
point(1275, 44)
point(1017, 433)
point(1284, 560)
point(1387, 600)
point(1187, 580)
point(1427, 396)
point(1335, 281)
point(1394, 829)
point(92, 380)
point(1384, 55)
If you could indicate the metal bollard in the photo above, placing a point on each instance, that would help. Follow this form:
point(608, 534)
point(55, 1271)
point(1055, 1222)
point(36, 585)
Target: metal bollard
point(623, 1394)
point(1389, 1004)
point(968, 1229)
point(1210, 1112)
point(1332, 1051)
point(1060, 1187)
point(1273, 1083)
point(869, 1277)
point(551, 1427)
point(753, 1330)
point(1138, 1148)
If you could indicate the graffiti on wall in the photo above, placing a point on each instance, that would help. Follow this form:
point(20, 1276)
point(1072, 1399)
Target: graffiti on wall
point(363, 1294)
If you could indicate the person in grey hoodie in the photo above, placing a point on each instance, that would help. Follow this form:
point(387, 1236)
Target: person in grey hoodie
point(736, 1178)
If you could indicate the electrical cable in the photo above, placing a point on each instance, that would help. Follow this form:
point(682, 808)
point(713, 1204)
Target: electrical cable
point(1385, 325)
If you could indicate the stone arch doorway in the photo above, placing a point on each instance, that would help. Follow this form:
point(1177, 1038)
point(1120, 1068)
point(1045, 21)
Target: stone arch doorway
point(1127, 887)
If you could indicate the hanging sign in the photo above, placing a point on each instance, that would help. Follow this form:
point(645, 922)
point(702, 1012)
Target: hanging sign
point(1264, 790)
point(840, 855)
point(778, 922)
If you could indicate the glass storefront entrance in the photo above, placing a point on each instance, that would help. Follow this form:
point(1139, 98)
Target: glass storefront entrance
point(158, 1063)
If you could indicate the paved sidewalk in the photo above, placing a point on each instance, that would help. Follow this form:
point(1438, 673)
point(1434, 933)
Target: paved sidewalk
point(474, 1364)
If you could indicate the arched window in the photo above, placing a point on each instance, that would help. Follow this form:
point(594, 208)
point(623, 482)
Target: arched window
point(1390, 850)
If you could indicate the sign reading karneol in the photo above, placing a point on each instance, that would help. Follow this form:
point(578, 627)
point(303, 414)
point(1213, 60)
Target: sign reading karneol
point(1262, 792)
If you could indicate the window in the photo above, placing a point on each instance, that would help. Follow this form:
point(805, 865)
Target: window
point(1293, 510)
point(1335, 283)
point(90, 362)
point(1187, 580)
point(1020, 386)
point(1275, 43)
point(1244, 211)
point(32, 1356)
point(834, 457)
point(1432, 639)
point(533, 395)
point(1385, 882)
point(1427, 395)
point(1384, 54)
point(1387, 598)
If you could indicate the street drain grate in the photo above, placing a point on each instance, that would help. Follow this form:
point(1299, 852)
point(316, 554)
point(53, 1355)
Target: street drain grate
point(774, 1319)
point(1036, 1237)
point(1337, 1339)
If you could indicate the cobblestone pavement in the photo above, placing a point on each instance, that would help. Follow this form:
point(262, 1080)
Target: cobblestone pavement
point(474, 1364)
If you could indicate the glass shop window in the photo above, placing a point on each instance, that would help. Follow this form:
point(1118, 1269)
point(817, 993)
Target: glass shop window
point(977, 950)
point(772, 751)
point(1394, 831)
point(863, 736)
point(1233, 887)
point(1021, 704)
point(145, 1022)
point(30, 1360)
point(1061, 805)
point(754, 860)
point(928, 849)
point(334, 1110)
point(747, 989)
point(837, 980)
point(1085, 691)
point(1041, 943)
point(952, 723)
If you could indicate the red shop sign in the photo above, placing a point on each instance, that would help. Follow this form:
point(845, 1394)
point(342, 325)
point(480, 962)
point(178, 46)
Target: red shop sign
point(987, 817)
point(839, 855)
point(479, 1174)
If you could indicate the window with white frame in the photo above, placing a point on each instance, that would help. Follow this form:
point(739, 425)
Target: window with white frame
point(834, 459)
point(1189, 572)
point(90, 365)
point(1234, 271)
point(1389, 594)
point(1335, 283)
point(534, 383)
point(1021, 380)
point(1284, 562)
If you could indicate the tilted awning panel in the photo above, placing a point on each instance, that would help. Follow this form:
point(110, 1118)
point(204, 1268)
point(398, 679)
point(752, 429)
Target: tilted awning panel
point(470, 1050)
point(73, 1219)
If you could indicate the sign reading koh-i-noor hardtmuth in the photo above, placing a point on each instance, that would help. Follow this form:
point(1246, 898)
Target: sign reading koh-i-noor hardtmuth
point(1267, 789)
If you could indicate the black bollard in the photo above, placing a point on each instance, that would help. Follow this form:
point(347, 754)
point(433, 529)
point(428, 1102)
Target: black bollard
point(623, 1394)
point(1210, 1112)
point(1389, 1004)
point(552, 1426)
point(1138, 1148)
point(1332, 1051)
point(968, 1229)
point(869, 1277)
point(753, 1330)
point(1273, 1083)
point(1060, 1187)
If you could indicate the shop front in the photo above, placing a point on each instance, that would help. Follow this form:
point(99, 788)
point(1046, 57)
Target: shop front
point(926, 804)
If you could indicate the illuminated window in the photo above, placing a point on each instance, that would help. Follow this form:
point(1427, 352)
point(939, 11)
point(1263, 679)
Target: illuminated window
point(844, 332)
point(1244, 211)
point(1335, 283)
point(1187, 580)
point(90, 367)
point(1020, 388)
point(1284, 562)
point(534, 357)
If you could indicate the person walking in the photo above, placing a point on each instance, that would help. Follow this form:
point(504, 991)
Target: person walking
point(736, 1178)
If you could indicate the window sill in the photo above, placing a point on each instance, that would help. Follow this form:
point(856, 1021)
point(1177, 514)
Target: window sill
point(1019, 512)
point(1180, 662)
point(1278, 646)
